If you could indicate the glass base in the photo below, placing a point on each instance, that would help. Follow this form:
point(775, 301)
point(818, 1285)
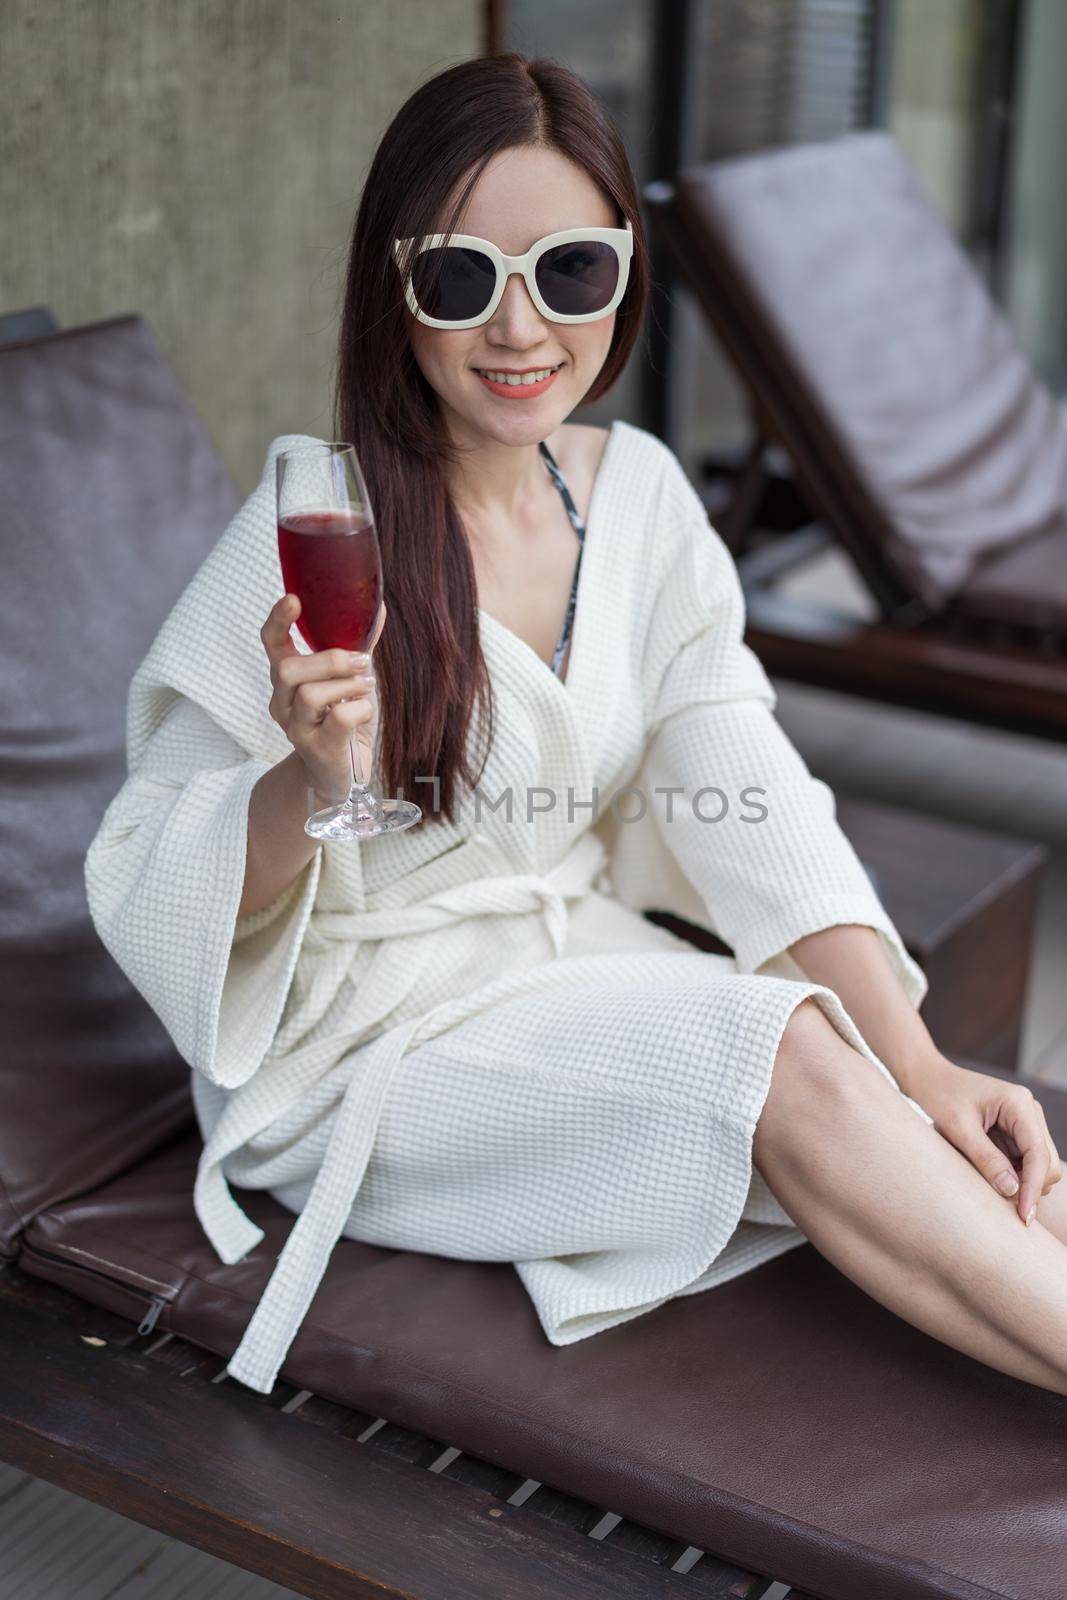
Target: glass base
point(362, 816)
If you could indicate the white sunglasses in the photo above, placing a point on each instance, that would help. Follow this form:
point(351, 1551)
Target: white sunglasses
point(458, 280)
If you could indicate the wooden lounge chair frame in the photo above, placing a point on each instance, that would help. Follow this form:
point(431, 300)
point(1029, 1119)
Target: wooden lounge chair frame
point(324, 1500)
point(985, 674)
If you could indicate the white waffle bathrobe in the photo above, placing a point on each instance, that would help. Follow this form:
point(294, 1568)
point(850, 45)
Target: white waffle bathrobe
point(638, 1065)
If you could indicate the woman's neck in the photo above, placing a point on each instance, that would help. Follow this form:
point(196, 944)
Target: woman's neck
point(496, 483)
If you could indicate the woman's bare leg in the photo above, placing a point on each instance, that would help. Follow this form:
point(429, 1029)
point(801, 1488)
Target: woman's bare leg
point(904, 1214)
point(1052, 1207)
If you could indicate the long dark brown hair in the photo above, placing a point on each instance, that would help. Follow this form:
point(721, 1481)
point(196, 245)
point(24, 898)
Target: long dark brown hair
point(429, 661)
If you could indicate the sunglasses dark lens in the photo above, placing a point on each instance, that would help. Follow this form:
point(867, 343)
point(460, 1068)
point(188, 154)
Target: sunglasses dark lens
point(453, 282)
point(579, 277)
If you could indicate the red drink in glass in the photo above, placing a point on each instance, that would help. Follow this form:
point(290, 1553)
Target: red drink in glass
point(330, 561)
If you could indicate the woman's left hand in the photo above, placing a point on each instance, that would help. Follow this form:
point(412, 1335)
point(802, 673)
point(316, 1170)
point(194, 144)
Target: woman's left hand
point(988, 1118)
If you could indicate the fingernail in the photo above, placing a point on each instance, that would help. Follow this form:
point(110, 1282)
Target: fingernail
point(1031, 1214)
point(1007, 1183)
point(358, 658)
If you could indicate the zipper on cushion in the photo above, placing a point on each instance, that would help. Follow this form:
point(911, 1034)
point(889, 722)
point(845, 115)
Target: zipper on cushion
point(151, 1316)
point(156, 1302)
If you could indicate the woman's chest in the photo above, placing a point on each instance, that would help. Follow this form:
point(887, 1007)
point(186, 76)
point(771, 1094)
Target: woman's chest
point(524, 574)
point(525, 570)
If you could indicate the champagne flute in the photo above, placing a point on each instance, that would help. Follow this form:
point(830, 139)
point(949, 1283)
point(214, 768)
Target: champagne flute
point(331, 561)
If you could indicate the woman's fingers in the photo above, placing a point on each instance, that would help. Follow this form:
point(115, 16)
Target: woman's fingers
point(275, 631)
point(322, 701)
point(332, 669)
point(1026, 1123)
point(311, 700)
point(986, 1153)
point(1000, 1127)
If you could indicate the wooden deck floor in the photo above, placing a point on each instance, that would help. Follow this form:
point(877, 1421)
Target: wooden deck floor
point(56, 1546)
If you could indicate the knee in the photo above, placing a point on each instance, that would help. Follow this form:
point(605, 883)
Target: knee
point(811, 1053)
point(806, 1029)
point(810, 1078)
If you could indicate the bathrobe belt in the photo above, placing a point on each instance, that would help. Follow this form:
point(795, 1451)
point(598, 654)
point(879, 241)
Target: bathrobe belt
point(305, 1256)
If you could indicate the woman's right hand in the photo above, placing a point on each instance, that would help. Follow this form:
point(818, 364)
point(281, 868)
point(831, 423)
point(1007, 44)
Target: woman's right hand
point(322, 701)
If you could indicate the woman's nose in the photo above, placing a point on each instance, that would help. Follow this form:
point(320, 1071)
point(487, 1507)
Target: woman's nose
point(517, 314)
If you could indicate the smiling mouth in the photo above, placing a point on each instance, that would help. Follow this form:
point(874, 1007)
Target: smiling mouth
point(520, 377)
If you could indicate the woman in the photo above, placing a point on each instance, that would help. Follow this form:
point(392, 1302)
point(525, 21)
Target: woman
point(465, 1038)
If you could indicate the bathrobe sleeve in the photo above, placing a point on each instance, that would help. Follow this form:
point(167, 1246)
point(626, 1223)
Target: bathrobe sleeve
point(776, 865)
point(165, 871)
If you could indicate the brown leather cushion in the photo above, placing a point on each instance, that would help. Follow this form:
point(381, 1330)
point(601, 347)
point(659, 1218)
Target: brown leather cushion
point(785, 1420)
point(111, 497)
point(1024, 586)
point(888, 372)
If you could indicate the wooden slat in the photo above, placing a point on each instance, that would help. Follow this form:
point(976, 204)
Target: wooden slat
point(313, 1511)
point(708, 1575)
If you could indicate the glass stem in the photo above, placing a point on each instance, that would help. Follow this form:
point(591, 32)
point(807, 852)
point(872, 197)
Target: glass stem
point(361, 797)
point(361, 800)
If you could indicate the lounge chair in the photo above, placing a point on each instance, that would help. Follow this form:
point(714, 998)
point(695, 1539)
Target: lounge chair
point(915, 428)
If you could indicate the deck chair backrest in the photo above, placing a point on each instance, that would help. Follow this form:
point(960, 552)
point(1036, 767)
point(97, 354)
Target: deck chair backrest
point(111, 495)
point(872, 346)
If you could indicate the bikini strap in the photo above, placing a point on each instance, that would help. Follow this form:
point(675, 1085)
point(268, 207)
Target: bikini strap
point(579, 527)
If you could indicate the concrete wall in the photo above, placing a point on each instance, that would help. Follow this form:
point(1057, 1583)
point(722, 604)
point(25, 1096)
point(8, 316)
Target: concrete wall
point(200, 162)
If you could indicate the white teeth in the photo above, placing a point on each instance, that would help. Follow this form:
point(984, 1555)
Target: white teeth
point(514, 378)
